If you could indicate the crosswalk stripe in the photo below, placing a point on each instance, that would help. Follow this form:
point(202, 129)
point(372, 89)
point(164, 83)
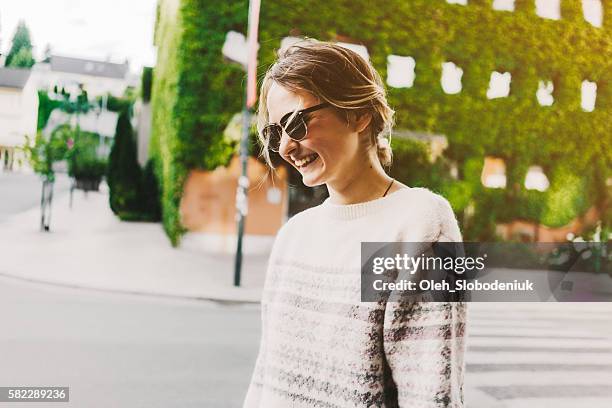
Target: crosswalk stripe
point(532, 367)
point(514, 323)
point(552, 307)
point(532, 332)
point(540, 378)
point(539, 317)
point(527, 348)
point(603, 402)
point(536, 342)
point(539, 358)
point(528, 355)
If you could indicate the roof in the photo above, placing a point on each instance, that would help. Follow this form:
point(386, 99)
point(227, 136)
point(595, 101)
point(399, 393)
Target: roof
point(88, 67)
point(14, 77)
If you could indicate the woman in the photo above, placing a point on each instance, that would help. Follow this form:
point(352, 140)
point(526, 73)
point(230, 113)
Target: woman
point(324, 109)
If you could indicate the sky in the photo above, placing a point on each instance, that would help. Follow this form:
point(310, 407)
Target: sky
point(113, 30)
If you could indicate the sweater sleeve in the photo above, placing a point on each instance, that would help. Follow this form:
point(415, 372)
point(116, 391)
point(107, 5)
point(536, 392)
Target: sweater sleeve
point(424, 342)
point(424, 347)
point(449, 227)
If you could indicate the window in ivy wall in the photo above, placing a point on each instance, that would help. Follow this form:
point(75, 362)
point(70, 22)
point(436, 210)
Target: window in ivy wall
point(503, 5)
point(545, 93)
point(593, 12)
point(548, 9)
point(493, 172)
point(451, 78)
point(400, 71)
point(499, 85)
point(536, 179)
point(589, 94)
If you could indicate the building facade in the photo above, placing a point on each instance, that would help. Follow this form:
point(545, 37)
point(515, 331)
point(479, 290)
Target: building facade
point(96, 77)
point(18, 115)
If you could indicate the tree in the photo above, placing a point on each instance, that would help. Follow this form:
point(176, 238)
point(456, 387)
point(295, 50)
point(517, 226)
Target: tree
point(21, 48)
point(43, 152)
point(124, 174)
point(23, 59)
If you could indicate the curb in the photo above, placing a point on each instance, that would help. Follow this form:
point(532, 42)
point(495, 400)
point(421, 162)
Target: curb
point(222, 301)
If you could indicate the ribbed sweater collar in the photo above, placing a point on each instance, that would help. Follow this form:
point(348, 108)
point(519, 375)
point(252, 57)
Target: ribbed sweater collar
point(358, 210)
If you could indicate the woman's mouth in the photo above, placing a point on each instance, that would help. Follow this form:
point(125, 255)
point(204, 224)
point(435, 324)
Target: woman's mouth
point(306, 161)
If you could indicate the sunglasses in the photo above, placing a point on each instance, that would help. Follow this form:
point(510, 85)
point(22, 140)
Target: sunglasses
point(296, 129)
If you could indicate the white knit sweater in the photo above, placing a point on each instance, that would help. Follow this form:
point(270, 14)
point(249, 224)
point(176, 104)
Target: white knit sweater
point(322, 347)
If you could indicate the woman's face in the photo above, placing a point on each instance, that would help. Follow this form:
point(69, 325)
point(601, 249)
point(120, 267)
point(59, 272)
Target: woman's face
point(329, 150)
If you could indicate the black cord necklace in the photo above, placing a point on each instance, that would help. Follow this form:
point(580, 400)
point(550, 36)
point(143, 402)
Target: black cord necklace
point(387, 190)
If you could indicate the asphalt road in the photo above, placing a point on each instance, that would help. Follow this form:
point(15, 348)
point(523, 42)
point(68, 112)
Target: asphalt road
point(20, 192)
point(125, 350)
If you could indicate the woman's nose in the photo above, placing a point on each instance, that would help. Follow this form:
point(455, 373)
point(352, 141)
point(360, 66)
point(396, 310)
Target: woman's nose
point(287, 145)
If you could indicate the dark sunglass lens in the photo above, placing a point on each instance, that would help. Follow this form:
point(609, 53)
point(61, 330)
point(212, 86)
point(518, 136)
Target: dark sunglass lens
point(273, 133)
point(296, 129)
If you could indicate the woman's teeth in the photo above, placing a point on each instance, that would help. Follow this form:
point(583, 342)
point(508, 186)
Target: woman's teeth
point(303, 162)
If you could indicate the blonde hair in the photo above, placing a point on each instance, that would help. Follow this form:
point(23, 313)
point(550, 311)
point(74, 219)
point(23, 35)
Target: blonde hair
point(336, 75)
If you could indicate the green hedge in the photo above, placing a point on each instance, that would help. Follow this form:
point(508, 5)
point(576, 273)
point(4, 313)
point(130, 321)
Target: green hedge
point(146, 83)
point(195, 92)
point(46, 105)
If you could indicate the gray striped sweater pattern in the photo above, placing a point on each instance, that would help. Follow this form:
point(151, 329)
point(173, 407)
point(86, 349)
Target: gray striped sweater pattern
point(322, 347)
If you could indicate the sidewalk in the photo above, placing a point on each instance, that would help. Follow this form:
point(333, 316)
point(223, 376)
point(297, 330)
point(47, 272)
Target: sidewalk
point(89, 247)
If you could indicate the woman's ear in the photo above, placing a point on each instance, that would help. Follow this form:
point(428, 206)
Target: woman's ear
point(358, 122)
point(363, 121)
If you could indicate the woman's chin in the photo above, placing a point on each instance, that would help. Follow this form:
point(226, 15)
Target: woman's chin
point(309, 183)
point(313, 177)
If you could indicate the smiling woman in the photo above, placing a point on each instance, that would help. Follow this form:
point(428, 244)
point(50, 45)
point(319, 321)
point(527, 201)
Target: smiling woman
point(324, 109)
point(307, 98)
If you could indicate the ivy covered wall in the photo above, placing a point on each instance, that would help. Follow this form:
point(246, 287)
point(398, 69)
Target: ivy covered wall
point(195, 93)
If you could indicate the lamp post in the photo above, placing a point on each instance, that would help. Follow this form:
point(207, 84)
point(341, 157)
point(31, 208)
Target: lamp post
point(250, 99)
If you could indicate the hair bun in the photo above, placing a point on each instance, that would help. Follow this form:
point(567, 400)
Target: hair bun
point(383, 143)
point(383, 150)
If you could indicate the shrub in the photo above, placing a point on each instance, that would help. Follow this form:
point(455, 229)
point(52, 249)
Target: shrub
point(83, 160)
point(124, 173)
point(151, 207)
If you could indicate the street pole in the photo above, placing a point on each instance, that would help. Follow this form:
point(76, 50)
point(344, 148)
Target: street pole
point(242, 205)
point(250, 99)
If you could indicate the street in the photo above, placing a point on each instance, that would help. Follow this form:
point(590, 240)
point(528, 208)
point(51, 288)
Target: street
point(139, 351)
point(117, 350)
point(123, 350)
point(21, 191)
point(533, 355)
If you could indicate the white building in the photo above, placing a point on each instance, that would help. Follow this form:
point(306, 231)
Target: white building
point(18, 115)
point(97, 77)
